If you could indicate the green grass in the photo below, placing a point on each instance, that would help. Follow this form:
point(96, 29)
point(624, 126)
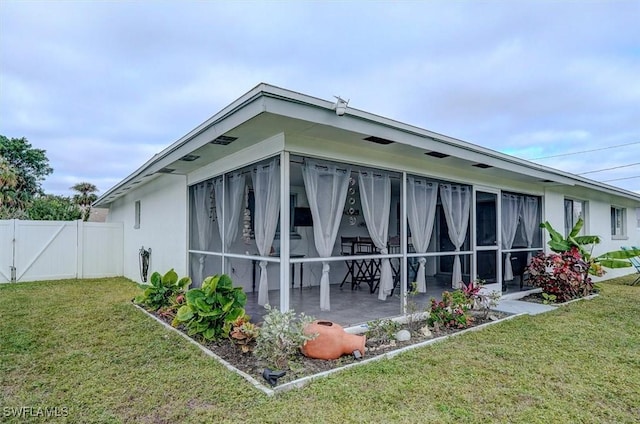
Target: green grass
point(81, 345)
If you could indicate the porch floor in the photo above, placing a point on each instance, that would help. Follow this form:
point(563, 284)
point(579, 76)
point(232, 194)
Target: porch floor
point(352, 307)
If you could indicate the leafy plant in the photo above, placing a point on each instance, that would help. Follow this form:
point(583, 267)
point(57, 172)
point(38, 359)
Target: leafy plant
point(478, 299)
point(281, 336)
point(211, 310)
point(163, 290)
point(548, 298)
point(244, 333)
point(452, 311)
point(585, 245)
point(382, 331)
point(564, 276)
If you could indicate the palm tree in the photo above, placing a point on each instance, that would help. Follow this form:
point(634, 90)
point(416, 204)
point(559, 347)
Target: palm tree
point(8, 184)
point(85, 197)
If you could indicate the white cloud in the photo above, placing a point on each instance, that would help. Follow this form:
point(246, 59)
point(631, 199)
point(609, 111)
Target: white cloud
point(110, 83)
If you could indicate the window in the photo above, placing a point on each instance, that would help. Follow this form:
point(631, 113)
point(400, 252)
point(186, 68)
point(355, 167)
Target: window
point(136, 222)
point(573, 211)
point(618, 217)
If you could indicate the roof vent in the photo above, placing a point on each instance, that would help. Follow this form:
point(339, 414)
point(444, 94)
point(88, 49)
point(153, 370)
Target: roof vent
point(437, 154)
point(189, 158)
point(482, 165)
point(165, 170)
point(224, 140)
point(378, 140)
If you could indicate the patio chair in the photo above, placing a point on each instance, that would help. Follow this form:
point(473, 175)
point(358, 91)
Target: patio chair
point(635, 261)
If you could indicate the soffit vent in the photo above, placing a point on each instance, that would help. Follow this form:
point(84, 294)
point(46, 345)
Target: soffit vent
point(482, 165)
point(189, 158)
point(166, 170)
point(378, 140)
point(224, 140)
point(437, 154)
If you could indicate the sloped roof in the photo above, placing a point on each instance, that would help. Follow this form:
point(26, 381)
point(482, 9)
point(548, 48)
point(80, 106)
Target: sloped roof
point(267, 110)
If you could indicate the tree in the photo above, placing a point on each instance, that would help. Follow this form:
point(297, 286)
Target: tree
point(85, 197)
point(30, 166)
point(50, 207)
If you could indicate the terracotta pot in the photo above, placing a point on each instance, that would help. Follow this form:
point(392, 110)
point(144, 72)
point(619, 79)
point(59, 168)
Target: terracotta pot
point(332, 341)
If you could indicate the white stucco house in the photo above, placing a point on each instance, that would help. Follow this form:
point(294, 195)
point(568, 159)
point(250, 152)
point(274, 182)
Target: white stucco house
point(313, 205)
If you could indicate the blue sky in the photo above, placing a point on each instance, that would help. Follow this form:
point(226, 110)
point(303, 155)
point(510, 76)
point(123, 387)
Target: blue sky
point(102, 86)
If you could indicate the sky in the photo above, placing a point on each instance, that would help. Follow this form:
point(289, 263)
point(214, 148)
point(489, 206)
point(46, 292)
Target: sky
point(104, 85)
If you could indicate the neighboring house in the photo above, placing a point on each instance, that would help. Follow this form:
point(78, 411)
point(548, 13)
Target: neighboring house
point(279, 183)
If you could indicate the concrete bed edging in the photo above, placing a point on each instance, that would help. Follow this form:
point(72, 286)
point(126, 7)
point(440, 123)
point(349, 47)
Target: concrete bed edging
point(303, 381)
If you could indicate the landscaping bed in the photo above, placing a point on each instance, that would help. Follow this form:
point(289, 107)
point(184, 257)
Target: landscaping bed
point(302, 366)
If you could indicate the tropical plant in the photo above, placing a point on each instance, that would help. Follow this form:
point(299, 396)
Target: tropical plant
point(244, 333)
point(452, 311)
point(478, 299)
point(566, 274)
point(561, 277)
point(163, 291)
point(281, 336)
point(85, 197)
point(211, 310)
point(585, 246)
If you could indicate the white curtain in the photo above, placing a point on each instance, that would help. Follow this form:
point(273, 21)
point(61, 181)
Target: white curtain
point(456, 201)
point(422, 198)
point(326, 187)
point(266, 189)
point(510, 213)
point(375, 198)
point(530, 220)
point(232, 195)
point(204, 220)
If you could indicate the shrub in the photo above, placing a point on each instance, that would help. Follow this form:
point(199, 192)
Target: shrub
point(452, 311)
point(211, 310)
point(281, 336)
point(564, 275)
point(163, 290)
point(382, 331)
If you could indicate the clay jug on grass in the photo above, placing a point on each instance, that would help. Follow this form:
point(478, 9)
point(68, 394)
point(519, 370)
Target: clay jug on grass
point(332, 341)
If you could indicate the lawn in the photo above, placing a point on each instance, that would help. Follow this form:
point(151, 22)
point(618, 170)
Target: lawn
point(81, 347)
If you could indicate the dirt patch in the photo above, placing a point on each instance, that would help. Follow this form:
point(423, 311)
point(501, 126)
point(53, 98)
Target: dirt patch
point(301, 366)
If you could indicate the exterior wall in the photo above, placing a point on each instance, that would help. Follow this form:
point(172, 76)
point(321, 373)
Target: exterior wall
point(163, 225)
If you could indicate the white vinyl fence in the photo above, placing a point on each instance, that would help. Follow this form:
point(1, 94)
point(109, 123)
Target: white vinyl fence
point(51, 250)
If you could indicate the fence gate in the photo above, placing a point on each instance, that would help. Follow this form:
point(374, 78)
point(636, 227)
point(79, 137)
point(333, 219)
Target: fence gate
point(52, 250)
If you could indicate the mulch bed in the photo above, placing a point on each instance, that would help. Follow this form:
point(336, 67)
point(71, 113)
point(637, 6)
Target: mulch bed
point(537, 298)
point(302, 366)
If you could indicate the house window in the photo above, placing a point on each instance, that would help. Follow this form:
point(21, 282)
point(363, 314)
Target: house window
point(136, 219)
point(573, 211)
point(618, 217)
